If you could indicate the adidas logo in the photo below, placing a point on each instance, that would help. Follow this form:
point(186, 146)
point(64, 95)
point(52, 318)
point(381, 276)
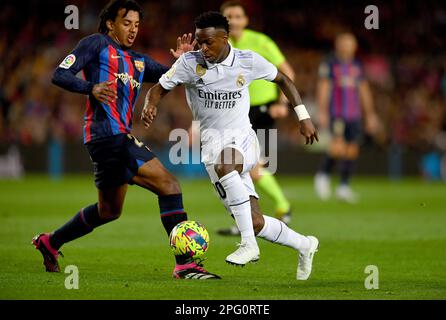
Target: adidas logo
point(198, 276)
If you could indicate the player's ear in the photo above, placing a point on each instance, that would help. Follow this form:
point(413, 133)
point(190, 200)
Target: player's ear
point(109, 25)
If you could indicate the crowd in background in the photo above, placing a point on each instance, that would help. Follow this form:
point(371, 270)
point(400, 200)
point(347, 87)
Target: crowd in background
point(404, 60)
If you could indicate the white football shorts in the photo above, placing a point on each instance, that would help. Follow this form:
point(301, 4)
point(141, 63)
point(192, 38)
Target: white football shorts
point(247, 144)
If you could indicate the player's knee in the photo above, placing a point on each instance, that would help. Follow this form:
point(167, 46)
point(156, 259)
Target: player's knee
point(109, 212)
point(338, 149)
point(224, 169)
point(352, 152)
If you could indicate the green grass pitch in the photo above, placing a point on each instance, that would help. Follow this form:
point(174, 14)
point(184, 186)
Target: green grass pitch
point(398, 227)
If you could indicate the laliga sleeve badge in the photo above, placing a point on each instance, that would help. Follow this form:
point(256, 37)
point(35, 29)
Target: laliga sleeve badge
point(171, 72)
point(139, 65)
point(68, 61)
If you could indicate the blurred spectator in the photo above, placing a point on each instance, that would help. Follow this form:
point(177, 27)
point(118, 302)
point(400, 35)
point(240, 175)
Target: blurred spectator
point(404, 60)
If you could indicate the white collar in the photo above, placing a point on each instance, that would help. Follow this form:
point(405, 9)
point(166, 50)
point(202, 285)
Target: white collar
point(227, 62)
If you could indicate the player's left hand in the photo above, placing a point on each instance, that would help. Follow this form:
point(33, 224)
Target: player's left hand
point(184, 45)
point(278, 110)
point(308, 130)
point(148, 114)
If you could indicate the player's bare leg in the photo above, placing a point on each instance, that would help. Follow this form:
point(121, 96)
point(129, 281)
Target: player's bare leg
point(111, 202)
point(344, 192)
point(153, 176)
point(108, 208)
point(275, 231)
point(228, 169)
point(322, 179)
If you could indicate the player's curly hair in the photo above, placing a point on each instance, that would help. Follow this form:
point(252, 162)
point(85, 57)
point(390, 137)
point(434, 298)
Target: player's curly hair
point(110, 12)
point(212, 19)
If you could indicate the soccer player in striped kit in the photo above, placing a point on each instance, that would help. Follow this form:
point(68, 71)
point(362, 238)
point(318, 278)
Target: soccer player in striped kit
point(344, 100)
point(113, 78)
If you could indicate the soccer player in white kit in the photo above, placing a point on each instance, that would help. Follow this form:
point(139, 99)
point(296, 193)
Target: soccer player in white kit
point(216, 79)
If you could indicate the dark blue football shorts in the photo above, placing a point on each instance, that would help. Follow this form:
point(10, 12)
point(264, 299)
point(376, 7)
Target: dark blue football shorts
point(116, 159)
point(350, 131)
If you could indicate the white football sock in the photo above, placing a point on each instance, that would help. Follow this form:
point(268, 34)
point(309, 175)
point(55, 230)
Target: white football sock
point(276, 231)
point(238, 200)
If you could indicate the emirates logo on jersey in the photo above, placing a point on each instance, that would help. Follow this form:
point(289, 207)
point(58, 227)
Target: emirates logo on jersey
point(126, 78)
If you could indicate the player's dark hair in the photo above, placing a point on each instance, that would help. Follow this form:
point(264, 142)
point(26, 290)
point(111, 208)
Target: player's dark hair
point(110, 12)
point(212, 19)
point(230, 4)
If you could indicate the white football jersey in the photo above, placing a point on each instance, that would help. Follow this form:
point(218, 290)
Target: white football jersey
point(218, 93)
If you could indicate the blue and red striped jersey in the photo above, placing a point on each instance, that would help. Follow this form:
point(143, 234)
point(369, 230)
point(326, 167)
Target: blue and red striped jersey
point(345, 79)
point(102, 59)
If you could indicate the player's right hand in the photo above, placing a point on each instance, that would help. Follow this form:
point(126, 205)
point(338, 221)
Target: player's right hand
point(308, 130)
point(104, 93)
point(148, 114)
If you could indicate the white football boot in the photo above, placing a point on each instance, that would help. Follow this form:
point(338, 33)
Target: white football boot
point(322, 186)
point(246, 252)
point(345, 193)
point(306, 259)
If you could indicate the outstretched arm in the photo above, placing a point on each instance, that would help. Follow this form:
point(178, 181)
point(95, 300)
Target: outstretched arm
point(177, 75)
point(287, 86)
point(85, 52)
point(371, 120)
point(153, 98)
point(280, 109)
point(323, 100)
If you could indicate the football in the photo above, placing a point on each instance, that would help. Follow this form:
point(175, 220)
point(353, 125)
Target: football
point(190, 238)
